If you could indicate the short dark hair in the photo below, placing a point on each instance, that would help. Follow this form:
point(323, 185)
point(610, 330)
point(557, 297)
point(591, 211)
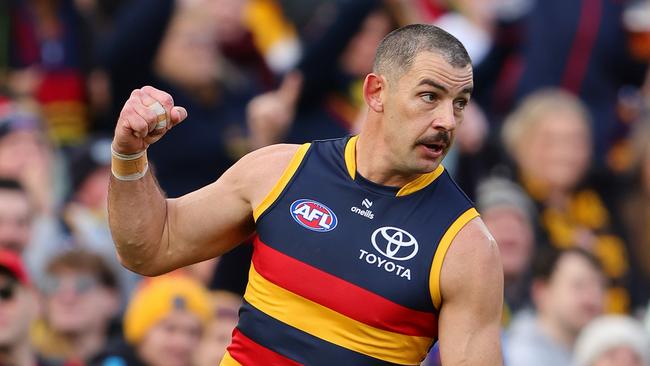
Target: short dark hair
point(546, 261)
point(399, 48)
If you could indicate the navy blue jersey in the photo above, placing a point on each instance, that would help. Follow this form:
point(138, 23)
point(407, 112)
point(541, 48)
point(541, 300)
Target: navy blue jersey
point(346, 270)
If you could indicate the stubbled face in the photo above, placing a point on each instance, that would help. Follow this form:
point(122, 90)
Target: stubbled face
point(422, 110)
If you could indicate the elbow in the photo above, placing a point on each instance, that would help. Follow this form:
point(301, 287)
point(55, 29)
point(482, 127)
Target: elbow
point(143, 265)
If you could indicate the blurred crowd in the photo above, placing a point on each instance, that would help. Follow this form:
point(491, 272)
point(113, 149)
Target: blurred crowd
point(554, 150)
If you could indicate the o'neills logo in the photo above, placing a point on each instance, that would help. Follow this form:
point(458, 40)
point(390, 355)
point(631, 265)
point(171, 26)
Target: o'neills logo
point(365, 213)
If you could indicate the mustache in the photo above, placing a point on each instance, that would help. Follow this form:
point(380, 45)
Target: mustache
point(441, 137)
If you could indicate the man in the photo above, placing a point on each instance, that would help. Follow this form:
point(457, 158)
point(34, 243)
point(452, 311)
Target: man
point(568, 292)
point(15, 216)
point(366, 251)
point(163, 323)
point(509, 214)
point(81, 298)
point(18, 310)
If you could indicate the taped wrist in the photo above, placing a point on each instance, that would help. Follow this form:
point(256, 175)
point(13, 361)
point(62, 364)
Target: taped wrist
point(129, 167)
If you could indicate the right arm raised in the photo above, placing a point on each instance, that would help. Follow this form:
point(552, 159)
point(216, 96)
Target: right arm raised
point(154, 235)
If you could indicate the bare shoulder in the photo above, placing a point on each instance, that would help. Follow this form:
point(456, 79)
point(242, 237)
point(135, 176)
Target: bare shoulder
point(472, 259)
point(256, 173)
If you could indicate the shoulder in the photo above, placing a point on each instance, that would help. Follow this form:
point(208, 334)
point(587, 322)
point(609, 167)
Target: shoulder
point(472, 260)
point(267, 163)
point(256, 173)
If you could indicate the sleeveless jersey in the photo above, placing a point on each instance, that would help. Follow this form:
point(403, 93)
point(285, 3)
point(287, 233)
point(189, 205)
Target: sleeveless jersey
point(346, 271)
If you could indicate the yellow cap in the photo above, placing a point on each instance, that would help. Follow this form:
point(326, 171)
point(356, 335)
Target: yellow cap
point(156, 297)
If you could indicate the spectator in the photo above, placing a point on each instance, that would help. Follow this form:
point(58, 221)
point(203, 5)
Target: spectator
point(18, 310)
point(567, 290)
point(509, 214)
point(48, 63)
point(584, 52)
point(635, 209)
point(15, 216)
point(163, 323)
point(86, 213)
point(549, 138)
point(172, 33)
point(218, 333)
point(81, 300)
point(28, 157)
point(613, 341)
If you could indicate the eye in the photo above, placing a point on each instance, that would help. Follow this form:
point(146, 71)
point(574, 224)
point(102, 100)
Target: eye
point(429, 97)
point(460, 104)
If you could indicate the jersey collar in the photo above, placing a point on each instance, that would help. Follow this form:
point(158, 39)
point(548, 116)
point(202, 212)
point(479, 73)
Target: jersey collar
point(411, 187)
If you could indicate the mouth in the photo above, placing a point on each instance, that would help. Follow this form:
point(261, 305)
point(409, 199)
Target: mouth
point(436, 147)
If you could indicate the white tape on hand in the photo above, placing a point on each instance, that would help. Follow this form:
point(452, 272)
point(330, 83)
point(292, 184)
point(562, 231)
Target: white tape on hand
point(162, 115)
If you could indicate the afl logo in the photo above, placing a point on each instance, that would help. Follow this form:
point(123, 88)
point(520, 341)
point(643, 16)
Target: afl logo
point(313, 215)
point(394, 243)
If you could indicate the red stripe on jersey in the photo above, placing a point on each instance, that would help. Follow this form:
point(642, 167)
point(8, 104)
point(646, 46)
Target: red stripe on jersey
point(249, 353)
point(339, 295)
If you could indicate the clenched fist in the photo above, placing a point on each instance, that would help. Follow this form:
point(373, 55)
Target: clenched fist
point(146, 116)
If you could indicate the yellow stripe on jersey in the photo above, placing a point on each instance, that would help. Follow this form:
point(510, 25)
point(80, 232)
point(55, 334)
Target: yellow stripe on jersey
point(410, 187)
point(421, 181)
point(439, 257)
point(332, 326)
point(351, 156)
point(288, 173)
point(227, 360)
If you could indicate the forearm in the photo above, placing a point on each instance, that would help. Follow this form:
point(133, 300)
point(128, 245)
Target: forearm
point(137, 217)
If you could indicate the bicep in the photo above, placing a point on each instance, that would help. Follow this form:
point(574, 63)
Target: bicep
point(212, 220)
point(204, 224)
point(472, 293)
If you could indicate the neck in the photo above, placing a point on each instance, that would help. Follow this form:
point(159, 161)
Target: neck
point(555, 330)
point(17, 355)
point(374, 162)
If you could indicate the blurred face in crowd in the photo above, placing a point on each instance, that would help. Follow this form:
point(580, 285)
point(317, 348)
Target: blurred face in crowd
point(216, 338)
point(172, 341)
point(228, 16)
point(77, 302)
point(21, 152)
point(357, 59)
point(15, 220)
point(188, 54)
point(573, 295)
point(93, 192)
point(557, 150)
point(619, 356)
point(17, 311)
point(421, 111)
point(513, 232)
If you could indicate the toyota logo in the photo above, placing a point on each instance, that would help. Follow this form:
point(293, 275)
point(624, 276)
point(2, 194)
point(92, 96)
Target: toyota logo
point(394, 243)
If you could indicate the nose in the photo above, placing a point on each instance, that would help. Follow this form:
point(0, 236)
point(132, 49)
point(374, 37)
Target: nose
point(445, 117)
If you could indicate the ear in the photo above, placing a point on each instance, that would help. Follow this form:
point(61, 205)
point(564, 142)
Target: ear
point(373, 88)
